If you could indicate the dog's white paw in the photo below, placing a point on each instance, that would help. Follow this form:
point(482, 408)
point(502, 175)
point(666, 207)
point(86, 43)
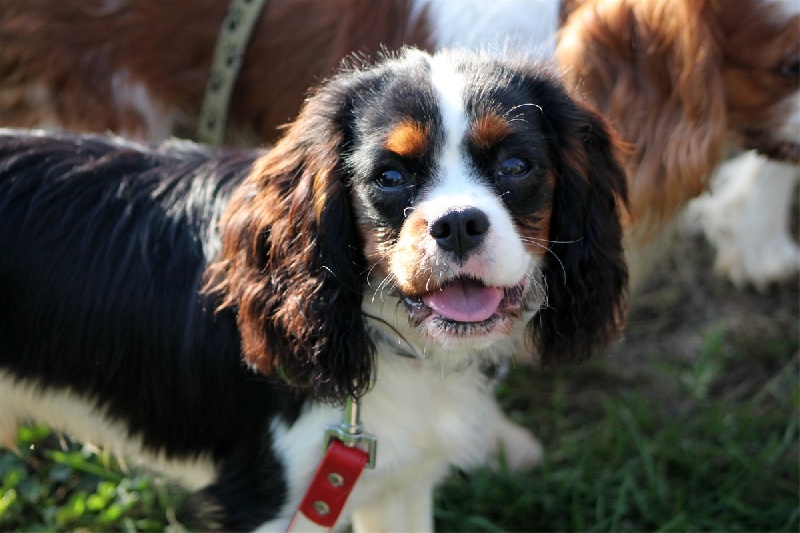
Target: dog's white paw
point(746, 218)
point(773, 260)
point(514, 446)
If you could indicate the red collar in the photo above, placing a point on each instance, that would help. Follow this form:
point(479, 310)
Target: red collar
point(349, 451)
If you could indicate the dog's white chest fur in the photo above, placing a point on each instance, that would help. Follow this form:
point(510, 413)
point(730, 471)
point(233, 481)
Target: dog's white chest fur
point(424, 419)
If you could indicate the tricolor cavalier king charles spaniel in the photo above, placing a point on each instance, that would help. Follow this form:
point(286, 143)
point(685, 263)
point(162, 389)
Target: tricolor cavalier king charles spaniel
point(419, 222)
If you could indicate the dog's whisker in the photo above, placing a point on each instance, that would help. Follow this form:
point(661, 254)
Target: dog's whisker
point(550, 241)
point(551, 252)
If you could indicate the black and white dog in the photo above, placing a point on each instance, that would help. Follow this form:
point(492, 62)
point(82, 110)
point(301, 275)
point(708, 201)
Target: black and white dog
point(208, 311)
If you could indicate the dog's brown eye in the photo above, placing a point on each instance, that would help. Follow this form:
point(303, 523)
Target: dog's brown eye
point(791, 69)
point(513, 167)
point(391, 179)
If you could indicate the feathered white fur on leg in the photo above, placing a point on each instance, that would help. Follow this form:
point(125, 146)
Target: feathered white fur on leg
point(746, 218)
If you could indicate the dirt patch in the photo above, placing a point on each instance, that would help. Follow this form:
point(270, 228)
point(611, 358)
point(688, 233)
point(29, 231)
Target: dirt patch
point(686, 312)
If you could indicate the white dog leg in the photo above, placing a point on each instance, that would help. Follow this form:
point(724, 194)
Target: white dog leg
point(409, 508)
point(746, 218)
point(515, 443)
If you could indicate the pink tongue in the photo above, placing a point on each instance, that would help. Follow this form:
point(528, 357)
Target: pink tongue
point(465, 301)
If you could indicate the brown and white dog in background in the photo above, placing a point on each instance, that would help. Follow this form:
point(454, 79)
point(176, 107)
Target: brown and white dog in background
point(677, 78)
point(680, 80)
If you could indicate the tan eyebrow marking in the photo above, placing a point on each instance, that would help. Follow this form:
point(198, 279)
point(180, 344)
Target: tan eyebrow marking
point(489, 129)
point(408, 139)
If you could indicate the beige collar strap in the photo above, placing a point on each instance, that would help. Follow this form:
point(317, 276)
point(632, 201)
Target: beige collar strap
point(232, 41)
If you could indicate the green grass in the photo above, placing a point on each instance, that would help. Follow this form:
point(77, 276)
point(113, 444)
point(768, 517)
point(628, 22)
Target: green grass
point(52, 485)
point(633, 462)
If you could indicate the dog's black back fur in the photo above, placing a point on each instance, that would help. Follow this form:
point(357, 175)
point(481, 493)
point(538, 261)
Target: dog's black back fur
point(103, 245)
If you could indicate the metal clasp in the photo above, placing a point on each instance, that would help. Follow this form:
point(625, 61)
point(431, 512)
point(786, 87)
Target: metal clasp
point(350, 434)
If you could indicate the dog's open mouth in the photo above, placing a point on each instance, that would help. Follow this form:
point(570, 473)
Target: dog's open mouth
point(466, 305)
point(763, 143)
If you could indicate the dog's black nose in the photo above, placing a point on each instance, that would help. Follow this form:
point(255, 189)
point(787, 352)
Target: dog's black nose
point(460, 231)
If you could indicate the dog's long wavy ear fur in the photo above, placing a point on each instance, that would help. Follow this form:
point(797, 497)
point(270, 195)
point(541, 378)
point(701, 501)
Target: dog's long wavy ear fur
point(291, 261)
point(654, 70)
point(585, 271)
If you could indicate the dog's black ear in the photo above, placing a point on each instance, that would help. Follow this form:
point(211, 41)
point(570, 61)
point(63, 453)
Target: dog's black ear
point(585, 270)
point(291, 261)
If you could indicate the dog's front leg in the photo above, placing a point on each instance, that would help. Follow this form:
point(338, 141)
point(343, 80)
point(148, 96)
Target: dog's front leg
point(513, 442)
point(747, 218)
point(409, 508)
